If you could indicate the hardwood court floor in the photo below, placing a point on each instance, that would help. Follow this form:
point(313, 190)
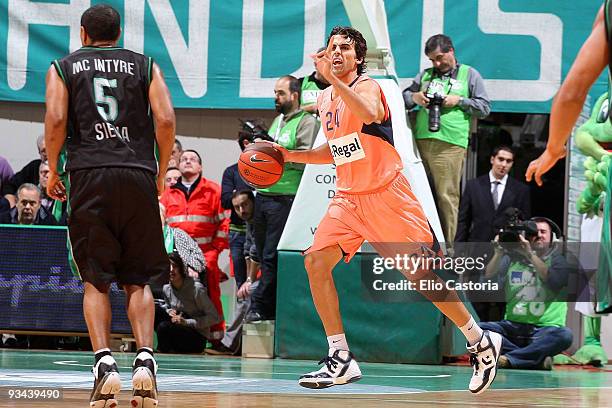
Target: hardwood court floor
point(206, 382)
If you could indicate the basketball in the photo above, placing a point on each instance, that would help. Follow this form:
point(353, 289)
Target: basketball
point(261, 165)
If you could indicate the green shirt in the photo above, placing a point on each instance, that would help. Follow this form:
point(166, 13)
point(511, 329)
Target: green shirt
point(454, 122)
point(530, 300)
point(286, 137)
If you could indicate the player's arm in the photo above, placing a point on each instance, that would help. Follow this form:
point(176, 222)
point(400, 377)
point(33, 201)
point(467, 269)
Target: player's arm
point(319, 155)
point(56, 119)
point(567, 105)
point(364, 101)
point(165, 122)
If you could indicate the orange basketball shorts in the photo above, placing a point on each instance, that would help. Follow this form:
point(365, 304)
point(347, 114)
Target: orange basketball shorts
point(389, 218)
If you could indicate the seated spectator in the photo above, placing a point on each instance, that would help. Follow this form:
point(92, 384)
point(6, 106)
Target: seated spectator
point(6, 172)
point(231, 182)
point(173, 174)
point(28, 210)
point(183, 322)
point(244, 207)
point(177, 150)
point(535, 271)
point(46, 202)
point(28, 174)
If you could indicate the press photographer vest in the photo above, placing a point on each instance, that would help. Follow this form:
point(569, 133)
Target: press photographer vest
point(523, 284)
point(454, 122)
point(310, 92)
point(286, 137)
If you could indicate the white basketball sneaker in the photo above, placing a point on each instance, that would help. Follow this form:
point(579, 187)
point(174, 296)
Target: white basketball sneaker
point(106, 383)
point(483, 357)
point(339, 367)
point(144, 381)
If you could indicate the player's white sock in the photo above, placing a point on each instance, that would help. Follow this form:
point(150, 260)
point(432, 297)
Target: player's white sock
point(471, 331)
point(338, 341)
point(101, 353)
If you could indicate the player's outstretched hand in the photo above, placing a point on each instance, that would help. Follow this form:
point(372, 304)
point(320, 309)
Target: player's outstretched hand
point(55, 187)
point(323, 61)
point(542, 164)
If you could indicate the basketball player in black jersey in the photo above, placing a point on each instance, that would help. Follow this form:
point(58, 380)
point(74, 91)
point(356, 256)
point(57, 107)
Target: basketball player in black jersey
point(111, 110)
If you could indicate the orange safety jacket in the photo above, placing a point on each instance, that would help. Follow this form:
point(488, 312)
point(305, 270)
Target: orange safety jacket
point(199, 214)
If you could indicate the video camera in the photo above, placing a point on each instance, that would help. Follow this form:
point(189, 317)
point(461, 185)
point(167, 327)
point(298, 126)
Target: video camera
point(251, 130)
point(514, 226)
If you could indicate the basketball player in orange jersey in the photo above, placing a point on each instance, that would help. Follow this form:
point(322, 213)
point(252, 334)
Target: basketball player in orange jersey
point(372, 195)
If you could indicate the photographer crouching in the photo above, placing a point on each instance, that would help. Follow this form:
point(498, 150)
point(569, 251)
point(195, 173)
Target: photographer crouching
point(530, 260)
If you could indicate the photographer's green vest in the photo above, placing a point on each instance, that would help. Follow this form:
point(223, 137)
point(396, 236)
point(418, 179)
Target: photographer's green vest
point(289, 182)
point(310, 92)
point(454, 122)
point(527, 295)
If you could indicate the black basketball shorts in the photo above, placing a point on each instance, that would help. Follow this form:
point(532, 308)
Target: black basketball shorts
point(114, 226)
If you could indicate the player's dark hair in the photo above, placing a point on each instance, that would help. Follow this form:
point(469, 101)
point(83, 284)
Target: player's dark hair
point(172, 168)
point(361, 47)
point(192, 151)
point(101, 22)
point(504, 148)
point(248, 193)
point(294, 84)
point(441, 41)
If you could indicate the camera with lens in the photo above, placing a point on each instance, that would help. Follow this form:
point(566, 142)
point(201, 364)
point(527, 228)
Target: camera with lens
point(252, 130)
point(514, 226)
point(435, 104)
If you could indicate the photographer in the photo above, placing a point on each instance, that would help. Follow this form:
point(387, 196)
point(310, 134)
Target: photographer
point(460, 95)
point(293, 129)
point(535, 271)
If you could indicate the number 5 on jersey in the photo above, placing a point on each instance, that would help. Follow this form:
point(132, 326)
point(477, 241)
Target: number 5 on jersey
point(102, 100)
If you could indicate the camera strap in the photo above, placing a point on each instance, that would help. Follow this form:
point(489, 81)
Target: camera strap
point(440, 79)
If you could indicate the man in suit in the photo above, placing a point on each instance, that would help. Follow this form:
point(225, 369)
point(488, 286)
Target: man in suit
point(486, 198)
point(482, 211)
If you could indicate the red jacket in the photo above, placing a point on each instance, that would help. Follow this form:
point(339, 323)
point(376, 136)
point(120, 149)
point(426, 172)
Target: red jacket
point(200, 215)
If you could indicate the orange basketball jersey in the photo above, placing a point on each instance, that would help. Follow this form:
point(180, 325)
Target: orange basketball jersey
point(365, 156)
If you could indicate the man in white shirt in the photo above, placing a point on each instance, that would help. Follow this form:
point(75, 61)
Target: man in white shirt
point(483, 210)
point(486, 198)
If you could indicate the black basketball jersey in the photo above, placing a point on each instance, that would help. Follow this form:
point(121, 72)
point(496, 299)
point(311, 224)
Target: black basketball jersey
point(109, 117)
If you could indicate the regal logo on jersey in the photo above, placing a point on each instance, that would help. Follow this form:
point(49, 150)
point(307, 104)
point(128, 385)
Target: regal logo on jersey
point(346, 149)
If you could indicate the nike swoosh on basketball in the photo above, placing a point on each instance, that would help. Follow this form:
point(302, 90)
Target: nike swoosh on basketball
point(254, 159)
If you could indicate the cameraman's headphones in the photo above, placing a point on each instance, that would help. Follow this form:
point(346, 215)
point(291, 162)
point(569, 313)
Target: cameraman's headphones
point(555, 231)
